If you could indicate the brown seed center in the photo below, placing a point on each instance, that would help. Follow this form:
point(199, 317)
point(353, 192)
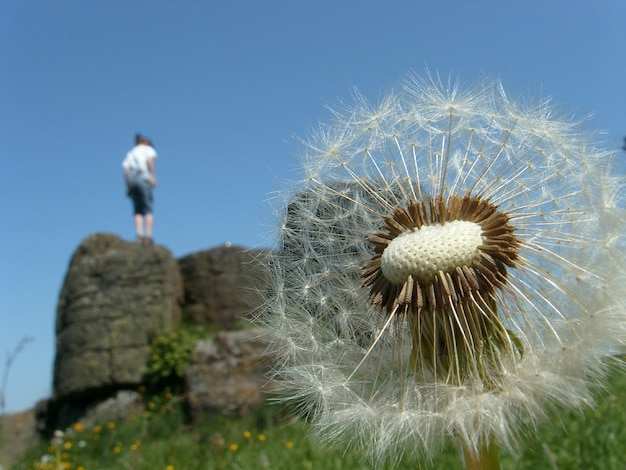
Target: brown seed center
point(479, 272)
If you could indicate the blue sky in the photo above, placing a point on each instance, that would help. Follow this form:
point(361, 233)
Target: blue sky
point(223, 88)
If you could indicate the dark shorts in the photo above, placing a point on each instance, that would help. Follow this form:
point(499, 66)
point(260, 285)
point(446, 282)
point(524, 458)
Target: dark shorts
point(140, 192)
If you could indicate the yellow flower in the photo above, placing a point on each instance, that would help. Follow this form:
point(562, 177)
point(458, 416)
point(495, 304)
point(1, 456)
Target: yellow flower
point(247, 434)
point(67, 445)
point(78, 427)
point(261, 437)
point(170, 467)
point(117, 450)
point(234, 447)
point(111, 425)
point(97, 428)
point(289, 445)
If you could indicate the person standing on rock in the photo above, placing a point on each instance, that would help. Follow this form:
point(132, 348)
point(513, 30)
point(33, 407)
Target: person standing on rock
point(140, 178)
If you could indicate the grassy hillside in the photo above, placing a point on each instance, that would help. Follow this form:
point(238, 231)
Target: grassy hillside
point(161, 440)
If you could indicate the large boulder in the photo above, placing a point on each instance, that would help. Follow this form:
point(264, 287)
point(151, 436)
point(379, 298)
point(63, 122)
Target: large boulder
point(222, 285)
point(229, 374)
point(116, 298)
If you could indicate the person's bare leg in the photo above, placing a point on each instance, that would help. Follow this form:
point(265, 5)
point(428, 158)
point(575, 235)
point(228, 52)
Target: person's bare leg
point(149, 221)
point(139, 225)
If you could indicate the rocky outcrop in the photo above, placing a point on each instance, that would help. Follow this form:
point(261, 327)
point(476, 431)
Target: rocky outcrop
point(229, 374)
point(222, 285)
point(19, 433)
point(116, 298)
point(123, 406)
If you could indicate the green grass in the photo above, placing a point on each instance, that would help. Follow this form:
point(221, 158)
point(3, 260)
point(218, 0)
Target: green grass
point(161, 440)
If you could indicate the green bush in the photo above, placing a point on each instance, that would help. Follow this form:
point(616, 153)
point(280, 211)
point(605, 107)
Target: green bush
point(170, 355)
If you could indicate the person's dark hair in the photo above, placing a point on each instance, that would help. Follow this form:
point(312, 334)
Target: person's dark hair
point(142, 138)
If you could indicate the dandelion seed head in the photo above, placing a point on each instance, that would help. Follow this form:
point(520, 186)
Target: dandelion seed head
point(450, 263)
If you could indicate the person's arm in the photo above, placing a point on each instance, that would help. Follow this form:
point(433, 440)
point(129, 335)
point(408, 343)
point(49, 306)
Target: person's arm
point(153, 180)
point(127, 180)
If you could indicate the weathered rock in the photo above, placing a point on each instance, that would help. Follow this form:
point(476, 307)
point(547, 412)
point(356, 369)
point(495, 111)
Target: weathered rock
point(19, 434)
point(125, 405)
point(229, 375)
point(222, 285)
point(116, 298)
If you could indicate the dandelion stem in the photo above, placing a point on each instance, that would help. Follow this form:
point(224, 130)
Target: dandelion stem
point(487, 458)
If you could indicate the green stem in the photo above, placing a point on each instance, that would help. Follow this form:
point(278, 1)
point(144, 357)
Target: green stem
point(487, 458)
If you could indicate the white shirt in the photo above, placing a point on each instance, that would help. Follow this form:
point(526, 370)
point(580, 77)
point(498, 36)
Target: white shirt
point(136, 160)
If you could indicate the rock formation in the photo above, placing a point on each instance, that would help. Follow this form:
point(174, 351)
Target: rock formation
point(116, 298)
point(21, 434)
point(222, 285)
point(229, 374)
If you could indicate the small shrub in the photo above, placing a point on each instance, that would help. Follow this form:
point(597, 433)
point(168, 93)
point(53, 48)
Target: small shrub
point(170, 355)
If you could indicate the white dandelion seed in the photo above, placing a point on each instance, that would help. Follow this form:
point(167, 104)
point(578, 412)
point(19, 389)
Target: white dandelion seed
point(452, 262)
